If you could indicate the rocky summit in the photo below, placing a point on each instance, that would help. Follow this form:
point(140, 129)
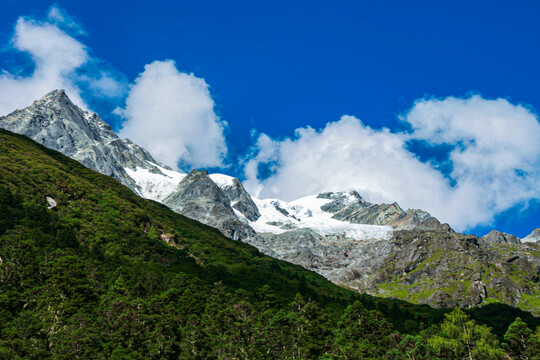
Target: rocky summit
point(380, 249)
point(55, 122)
point(353, 208)
point(495, 236)
point(533, 237)
point(199, 198)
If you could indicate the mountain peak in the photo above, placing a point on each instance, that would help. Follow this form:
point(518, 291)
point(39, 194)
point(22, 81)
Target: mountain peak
point(198, 197)
point(57, 123)
point(495, 236)
point(57, 96)
point(533, 237)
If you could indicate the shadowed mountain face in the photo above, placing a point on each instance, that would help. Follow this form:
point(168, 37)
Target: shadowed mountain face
point(198, 197)
point(375, 248)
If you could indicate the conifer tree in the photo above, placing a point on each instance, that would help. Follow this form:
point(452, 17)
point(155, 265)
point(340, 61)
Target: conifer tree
point(521, 342)
point(460, 337)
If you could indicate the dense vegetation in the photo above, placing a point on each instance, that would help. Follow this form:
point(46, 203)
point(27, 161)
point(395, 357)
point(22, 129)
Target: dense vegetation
point(104, 274)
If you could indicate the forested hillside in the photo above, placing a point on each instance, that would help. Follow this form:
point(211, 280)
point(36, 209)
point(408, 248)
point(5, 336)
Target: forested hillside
point(90, 270)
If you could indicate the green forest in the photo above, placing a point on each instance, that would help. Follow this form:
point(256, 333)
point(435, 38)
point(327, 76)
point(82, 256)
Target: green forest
point(100, 273)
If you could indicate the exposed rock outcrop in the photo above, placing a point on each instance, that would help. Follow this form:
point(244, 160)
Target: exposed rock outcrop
point(353, 208)
point(495, 236)
point(199, 198)
point(445, 269)
point(238, 197)
point(55, 122)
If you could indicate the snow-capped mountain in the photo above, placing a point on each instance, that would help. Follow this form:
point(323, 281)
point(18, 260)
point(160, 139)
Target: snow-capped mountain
point(55, 122)
point(534, 236)
point(337, 234)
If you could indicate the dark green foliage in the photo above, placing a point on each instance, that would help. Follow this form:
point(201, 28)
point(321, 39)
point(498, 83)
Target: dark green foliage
point(460, 337)
point(520, 342)
point(499, 316)
point(94, 277)
point(362, 334)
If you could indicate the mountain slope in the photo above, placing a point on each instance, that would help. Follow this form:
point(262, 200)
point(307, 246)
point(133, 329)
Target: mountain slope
point(444, 268)
point(90, 270)
point(55, 122)
point(92, 203)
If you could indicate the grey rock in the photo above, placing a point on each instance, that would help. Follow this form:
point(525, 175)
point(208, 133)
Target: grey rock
point(51, 203)
point(353, 208)
point(495, 236)
point(443, 268)
point(55, 122)
point(199, 198)
point(340, 259)
point(241, 200)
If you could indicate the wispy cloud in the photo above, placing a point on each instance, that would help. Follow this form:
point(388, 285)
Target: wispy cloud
point(495, 157)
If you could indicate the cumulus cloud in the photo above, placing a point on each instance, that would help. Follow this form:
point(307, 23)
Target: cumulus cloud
point(168, 112)
point(494, 156)
point(59, 61)
point(171, 114)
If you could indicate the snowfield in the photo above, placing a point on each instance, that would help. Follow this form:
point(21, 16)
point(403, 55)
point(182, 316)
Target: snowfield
point(306, 213)
point(277, 216)
point(155, 186)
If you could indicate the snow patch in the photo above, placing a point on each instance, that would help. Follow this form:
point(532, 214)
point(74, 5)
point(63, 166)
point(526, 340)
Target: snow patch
point(153, 185)
point(222, 180)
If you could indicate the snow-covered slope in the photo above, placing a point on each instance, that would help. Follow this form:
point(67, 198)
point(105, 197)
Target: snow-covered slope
point(222, 180)
point(279, 216)
point(533, 237)
point(155, 184)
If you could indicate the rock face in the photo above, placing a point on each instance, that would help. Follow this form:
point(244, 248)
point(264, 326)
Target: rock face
point(199, 198)
point(444, 269)
point(238, 197)
point(495, 236)
point(351, 207)
point(336, 257)
point(55, 122)
point(532, 237)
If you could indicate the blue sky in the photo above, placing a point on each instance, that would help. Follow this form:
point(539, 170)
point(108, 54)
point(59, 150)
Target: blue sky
point(271, 69)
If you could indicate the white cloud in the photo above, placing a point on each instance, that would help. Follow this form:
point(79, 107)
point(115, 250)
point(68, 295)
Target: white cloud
point(496, 163)
point(495, 160)
point(171, 114)
point(55, 54)
point(62, 19)
point(168, 112)
point(59, 62)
